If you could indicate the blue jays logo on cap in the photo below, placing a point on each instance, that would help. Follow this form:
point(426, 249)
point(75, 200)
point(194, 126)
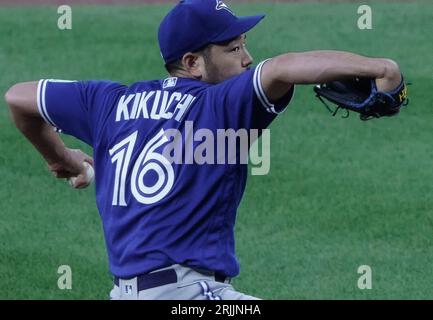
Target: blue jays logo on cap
point(222, 6)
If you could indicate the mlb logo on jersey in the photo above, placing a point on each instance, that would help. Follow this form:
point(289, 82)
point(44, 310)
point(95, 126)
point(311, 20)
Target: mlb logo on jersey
point(222, 6)
point(169, 83)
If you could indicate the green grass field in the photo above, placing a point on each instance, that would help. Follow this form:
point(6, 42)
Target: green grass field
point(341, 193)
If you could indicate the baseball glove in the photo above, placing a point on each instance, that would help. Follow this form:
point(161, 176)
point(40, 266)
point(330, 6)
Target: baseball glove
point(360, 95)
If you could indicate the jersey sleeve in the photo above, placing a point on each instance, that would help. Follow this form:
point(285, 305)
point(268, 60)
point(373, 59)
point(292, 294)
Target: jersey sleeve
point(244, 103)
point(76, 108)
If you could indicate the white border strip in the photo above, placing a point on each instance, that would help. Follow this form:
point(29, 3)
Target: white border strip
point(42, 86)
point(259, 89)
point(270, 107)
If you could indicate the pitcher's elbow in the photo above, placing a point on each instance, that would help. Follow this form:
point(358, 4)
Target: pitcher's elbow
point(10, 96)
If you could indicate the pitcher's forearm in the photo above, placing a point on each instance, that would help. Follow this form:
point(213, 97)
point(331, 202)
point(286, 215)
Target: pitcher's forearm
point(325, 65)
point(22, 102)
point(41, 135)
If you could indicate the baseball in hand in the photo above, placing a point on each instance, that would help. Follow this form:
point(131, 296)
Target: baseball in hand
point(90, 175)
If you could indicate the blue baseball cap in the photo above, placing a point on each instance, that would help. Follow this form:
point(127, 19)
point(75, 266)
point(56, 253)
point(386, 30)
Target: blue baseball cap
point(193, 24)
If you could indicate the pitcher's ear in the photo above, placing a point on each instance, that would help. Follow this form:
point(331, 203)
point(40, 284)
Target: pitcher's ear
point(194, 64)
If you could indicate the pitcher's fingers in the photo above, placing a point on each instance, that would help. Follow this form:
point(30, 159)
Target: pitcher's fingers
point(88, 159)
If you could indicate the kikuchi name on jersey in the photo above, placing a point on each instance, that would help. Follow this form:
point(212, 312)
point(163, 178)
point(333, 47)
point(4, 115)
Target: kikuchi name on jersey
point(153, 105)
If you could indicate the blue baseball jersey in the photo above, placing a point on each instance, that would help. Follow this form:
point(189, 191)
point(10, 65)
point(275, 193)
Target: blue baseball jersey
point(157, 211)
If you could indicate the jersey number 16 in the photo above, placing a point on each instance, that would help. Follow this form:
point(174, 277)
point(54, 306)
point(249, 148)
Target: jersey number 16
point(147, 160)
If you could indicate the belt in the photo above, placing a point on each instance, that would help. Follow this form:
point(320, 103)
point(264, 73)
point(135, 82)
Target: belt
point(161, 278)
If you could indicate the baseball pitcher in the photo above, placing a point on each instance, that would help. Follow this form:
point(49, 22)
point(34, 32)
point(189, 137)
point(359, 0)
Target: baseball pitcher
point(169, 225)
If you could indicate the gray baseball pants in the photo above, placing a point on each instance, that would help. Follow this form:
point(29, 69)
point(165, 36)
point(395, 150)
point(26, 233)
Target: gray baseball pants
point(190, 285)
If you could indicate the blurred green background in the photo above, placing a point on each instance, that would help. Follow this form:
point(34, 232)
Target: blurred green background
point(341, 193)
